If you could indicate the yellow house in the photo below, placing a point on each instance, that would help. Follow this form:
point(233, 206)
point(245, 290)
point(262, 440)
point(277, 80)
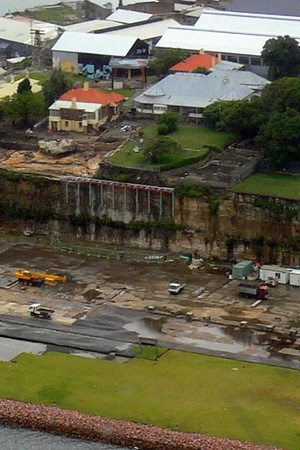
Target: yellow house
point(84, 109)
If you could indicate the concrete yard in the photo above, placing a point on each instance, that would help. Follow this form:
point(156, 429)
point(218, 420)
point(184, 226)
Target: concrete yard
point(118, 302)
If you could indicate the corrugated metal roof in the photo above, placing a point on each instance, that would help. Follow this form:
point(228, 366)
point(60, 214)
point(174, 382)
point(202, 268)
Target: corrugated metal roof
point(192, 90)
point(95, 44)
point(89, 107)
point(242, 77)
point(20, 31)
point(127, 16)
point(146, 31)
point(256, 24)
point(190, 38)
point(91, 26)
point(227, 65)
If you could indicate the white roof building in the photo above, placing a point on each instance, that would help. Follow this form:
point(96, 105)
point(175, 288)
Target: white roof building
point(127, 16)
point(95, 44)
point(20, 31)
point(145, 31)
point(91, 26)
point(230, 33)
point(64, 104)
point(256, 24)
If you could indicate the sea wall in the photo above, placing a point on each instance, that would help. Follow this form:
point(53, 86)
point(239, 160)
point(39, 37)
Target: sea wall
point(51, 419)
point(214, 224)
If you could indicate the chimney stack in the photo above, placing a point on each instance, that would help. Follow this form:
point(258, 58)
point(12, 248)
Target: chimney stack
point(73, 103)
point(86, 86)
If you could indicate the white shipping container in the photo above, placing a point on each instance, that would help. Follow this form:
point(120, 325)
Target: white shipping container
point(279, 273)
point(295, 278)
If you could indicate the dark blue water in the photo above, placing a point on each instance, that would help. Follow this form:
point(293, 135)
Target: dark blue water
point(19, 439)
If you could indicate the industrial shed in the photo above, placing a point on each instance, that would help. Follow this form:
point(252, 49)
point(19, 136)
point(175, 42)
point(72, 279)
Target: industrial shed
point(238, 37)
point(95, 50)
point(274, 272)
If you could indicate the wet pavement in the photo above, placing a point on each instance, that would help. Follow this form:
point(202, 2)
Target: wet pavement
point(109, 305)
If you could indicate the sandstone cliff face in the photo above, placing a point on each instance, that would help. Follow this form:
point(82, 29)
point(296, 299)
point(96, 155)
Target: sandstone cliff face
point(226, 227)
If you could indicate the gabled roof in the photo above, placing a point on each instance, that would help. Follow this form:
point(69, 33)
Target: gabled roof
point(127, 16)
point(191, 38)
point(192, 63)
point(91, 95)
point(84, 106)
point(91, 25)
point(257, 24)
point(146, 30)
point(192, 90)
point(20, 31)
point(95, 44)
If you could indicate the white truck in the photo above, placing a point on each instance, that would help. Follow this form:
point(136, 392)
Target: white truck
point(36, 310)
point(175, 288)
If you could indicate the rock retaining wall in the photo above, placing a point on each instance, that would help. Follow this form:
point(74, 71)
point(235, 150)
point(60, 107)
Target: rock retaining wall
point(51, 419)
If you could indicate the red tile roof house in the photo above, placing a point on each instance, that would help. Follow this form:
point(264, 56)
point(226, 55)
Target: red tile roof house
point(193, 62)
point(84, 109)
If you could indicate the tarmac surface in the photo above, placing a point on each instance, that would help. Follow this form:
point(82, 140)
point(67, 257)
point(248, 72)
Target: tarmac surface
point(111, 306)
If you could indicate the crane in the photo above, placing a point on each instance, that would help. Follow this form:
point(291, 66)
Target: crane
point(36, 278)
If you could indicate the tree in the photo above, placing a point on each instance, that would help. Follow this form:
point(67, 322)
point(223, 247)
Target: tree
point(166, 58)
point(282, 55)
point(243, 118)
point(281, 95)
point(170, 120)
point(280, 138)
point(56, 86)
point(24, 106)
point(24, 86)
point(160, 150)
point(212, 113)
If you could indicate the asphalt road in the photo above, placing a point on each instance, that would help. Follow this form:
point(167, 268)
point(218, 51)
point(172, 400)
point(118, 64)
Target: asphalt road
point(109, 333)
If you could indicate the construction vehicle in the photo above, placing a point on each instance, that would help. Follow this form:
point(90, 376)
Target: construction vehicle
point(36, 310)
point(250, 291)
point(175, 288)
point(37, 278)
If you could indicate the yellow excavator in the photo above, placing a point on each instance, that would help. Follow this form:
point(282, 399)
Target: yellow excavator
point(37, 278)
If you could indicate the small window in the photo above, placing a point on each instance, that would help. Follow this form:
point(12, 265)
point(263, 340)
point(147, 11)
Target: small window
point(243, 60)
point(255, 61)
point(277, 275)
point(80, 124)
point(231, 58)
point(66, 123)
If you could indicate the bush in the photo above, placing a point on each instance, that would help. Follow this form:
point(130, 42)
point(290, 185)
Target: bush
point(171, 120)
point(162, 129)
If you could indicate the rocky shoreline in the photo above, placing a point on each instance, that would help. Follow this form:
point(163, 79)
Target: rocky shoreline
point(74, 424)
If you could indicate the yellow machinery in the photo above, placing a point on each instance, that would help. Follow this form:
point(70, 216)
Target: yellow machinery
point(35, 278)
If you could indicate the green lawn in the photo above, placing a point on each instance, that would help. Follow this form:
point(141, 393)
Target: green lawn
point(193, 139)
point(285, 186)
point(185, 391)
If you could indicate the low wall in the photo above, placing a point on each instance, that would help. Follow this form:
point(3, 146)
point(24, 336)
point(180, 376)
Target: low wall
point(51, 419)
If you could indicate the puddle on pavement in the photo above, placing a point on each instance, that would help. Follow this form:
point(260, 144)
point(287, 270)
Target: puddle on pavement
point(147, 327)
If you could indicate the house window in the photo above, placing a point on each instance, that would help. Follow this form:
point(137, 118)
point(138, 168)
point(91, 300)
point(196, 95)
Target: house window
point(159, 109)
point(66, 123)
point(80, 124)
point(277, 275)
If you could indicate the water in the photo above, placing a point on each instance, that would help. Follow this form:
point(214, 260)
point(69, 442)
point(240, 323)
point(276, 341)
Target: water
point(19, 439)
point(10, 6)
